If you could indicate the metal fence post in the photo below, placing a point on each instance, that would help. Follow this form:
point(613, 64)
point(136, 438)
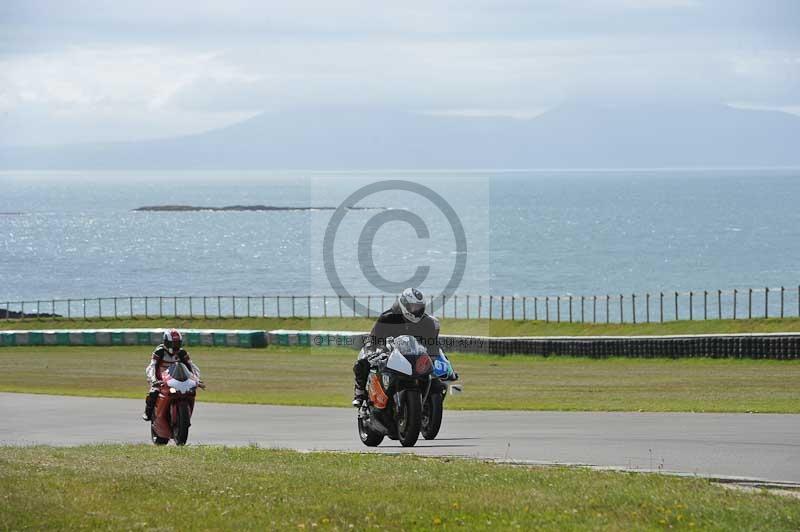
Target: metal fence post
point(99, 307)
point(536, 308)
point(340, 306)
point(583, 320)
point(621, 313)
point(633, 307)
point(383, 304)
point(354, 306)
point(175, 306)
point(547, 309)
point(369, 304)
point(191, 308)
point(705, 304)
point(749, 303)
point(205, 311)
point(719, 304)
point(233, 305)
point(248, 306)
point(263, 306)
point(455, 306)
point(38, 310)
point(444, 309)
point(782, 291)
point(278, 305)
point(160, 306)
point(467, 306)
point(308, 306)
point(115, 308)
point(676, 306)
point(691, 305)
point(524, 308)
point(766, 302)
point(84, 309)
point(513, 310)
point(647, 305)
point(480, 302)
point(324, 306)
point(570, 309)
point(661, 307)
point(491, 299)
point(502, 307)
point(608, 308)
point(293, 307)
point(735, 292)
point(558, 309)
point(594, 309)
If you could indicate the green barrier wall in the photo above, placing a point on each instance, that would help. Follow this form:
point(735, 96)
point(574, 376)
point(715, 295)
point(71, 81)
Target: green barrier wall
point(101, 337)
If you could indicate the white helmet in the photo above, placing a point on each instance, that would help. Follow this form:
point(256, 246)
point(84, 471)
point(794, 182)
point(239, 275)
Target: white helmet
point(412, 304)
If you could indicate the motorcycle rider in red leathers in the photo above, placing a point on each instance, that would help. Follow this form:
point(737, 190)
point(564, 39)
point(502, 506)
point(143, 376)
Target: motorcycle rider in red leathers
point(168, 352)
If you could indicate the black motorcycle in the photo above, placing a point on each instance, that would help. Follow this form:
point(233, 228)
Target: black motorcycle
point(399, 382)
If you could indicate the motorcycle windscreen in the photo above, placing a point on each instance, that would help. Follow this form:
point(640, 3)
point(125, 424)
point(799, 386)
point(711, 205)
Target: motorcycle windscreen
point(408, 346)
point(179, 372)
point(399, 363)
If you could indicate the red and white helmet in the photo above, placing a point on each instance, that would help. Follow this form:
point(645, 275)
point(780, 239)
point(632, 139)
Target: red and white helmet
point(172, 340)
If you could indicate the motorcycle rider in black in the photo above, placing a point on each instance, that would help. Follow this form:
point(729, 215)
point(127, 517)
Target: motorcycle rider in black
point(406, 316)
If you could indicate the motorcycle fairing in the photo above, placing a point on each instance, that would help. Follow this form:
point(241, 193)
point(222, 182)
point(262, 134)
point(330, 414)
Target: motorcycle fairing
point(441, 366)
point(399, 363)
point(182, 386)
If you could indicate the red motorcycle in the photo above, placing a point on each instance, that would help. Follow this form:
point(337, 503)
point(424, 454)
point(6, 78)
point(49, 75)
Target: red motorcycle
point(175, 404)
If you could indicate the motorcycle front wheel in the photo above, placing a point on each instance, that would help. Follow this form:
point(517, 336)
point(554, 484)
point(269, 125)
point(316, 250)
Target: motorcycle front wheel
point(155, 438)
point(409, 419)
point(181, 429)
point(369, 437)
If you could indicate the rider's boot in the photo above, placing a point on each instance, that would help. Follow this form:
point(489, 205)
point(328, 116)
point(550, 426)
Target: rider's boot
point(149, 406)
point(359, 396)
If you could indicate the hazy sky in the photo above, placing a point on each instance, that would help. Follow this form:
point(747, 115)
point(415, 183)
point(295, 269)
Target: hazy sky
point(109, 70)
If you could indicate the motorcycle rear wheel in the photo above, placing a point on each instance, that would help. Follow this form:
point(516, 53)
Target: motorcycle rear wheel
point(432, 416)
point(155, 438)
point(369, 437)
point(181, 429)
point(410, 419)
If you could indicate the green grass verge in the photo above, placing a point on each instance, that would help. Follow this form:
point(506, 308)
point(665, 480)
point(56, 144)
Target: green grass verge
point(449, 325)
point(323, 377)
point(211, 488)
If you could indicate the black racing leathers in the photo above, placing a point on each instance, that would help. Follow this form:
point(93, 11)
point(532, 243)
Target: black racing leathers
point(392, 323)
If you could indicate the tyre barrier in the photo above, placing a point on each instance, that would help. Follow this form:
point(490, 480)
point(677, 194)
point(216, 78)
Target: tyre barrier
point(777, 346)
point(151, 337)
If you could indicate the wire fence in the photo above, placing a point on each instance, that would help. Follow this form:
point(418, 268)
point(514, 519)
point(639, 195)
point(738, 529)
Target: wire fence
point(655, 307)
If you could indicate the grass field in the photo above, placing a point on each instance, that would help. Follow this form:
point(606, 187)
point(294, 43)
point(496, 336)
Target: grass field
point(449, 326)
point(191, 488)
point(323, 377)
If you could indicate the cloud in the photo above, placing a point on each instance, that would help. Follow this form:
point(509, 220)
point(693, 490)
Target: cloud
point(102, 62)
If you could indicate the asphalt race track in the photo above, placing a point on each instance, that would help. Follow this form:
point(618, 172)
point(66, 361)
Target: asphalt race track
point(757, 446)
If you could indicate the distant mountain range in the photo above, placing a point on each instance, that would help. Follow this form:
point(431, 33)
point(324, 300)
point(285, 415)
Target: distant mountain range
point(569, 136)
